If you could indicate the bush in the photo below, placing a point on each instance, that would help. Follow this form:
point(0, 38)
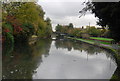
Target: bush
point(86, 36)
point(8, 33)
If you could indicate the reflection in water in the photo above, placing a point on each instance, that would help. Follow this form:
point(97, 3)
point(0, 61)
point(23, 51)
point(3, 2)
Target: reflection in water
point(59, 59)
point(77, 45)
point(73, 60)
point(22, 62)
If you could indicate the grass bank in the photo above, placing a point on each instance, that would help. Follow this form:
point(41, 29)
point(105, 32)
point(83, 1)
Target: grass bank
point(105, 45)
point(100, 38)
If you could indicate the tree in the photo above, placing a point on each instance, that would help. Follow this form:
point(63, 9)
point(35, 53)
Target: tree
point(48, 27)
point(24, 19)
point(108, 14)
point(41, 12)
point(93, 31)
point(70, 25)
point(58, 28)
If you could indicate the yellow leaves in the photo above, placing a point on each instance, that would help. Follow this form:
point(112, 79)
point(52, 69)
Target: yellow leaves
point(28, 13)
point(32, 13)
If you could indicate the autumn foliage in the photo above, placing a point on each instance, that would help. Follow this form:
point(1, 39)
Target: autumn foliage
point(22, 20)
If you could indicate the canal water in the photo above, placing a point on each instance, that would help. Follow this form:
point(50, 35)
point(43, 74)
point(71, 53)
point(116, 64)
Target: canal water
point(57, 59)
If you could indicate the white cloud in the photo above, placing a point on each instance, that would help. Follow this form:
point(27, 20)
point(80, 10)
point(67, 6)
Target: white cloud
point(64, 12)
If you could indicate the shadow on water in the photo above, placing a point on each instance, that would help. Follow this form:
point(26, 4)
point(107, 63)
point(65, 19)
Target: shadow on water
point(22, 60)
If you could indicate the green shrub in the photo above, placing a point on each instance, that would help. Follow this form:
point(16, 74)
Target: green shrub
point(8, 33)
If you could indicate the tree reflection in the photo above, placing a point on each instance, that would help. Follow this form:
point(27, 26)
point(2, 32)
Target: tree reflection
point(90, 50)
point(22, 62)
point(80, 46)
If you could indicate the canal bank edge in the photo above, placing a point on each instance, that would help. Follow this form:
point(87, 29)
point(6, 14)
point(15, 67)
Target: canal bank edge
point(93, 43)
point(115, 52)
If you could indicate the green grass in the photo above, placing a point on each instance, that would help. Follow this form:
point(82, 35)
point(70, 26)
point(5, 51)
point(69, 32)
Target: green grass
point(107, 43)
point(100, 38)
point(91, 41)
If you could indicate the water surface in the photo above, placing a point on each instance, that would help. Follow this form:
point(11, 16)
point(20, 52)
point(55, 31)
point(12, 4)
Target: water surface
point(58, 59)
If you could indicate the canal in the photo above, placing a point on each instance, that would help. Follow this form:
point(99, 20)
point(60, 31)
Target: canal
point(57, 59)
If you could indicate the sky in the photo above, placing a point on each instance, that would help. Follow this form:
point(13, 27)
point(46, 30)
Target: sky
point(67, 11)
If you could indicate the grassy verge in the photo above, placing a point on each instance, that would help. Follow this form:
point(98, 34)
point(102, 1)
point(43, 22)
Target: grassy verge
point(100, 38)
point(107, 43)
point(90, 41)
point(97, 43)
point(83, 40)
